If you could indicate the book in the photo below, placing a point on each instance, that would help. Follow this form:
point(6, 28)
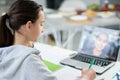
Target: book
point(51, 66)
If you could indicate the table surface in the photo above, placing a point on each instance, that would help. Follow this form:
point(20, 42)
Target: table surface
point(55, 54)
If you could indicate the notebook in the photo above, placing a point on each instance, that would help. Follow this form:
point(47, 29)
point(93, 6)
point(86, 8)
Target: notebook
point(51, 66)
point(102, 44)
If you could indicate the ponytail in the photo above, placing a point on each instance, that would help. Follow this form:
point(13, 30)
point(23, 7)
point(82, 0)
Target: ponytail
point(6, 36)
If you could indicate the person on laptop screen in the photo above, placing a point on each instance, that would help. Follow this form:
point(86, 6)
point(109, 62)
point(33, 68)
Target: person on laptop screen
point(19, 28)
point(101, 41)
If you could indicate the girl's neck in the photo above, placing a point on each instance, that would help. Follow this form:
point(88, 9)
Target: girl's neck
point(19, 39)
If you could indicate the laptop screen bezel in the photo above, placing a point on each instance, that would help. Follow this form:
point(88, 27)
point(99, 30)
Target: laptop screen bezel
point(79, 52)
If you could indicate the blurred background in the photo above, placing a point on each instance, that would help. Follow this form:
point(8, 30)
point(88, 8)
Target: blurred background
point(66, 18)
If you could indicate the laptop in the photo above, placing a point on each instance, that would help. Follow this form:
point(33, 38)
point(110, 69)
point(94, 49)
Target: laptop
point(102, 44)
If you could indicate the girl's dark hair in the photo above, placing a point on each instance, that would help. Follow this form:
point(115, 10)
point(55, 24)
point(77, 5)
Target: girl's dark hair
point(19, 13)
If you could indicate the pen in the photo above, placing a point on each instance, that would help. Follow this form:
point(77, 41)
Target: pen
point(91, 63)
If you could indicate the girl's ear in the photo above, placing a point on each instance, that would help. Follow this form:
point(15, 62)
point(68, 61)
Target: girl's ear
point(28, 25)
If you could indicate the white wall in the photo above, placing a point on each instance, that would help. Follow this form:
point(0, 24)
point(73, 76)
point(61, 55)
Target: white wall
point(42, 2)
point(91, 1)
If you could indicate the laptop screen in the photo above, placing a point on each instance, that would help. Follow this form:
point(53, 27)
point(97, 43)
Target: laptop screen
point(100, 42)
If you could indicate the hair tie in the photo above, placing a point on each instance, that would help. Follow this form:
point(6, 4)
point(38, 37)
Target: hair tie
point(6, 15)
point(7, 22)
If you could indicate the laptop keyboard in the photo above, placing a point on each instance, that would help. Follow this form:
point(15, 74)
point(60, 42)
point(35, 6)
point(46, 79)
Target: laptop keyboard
point(86, 59)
